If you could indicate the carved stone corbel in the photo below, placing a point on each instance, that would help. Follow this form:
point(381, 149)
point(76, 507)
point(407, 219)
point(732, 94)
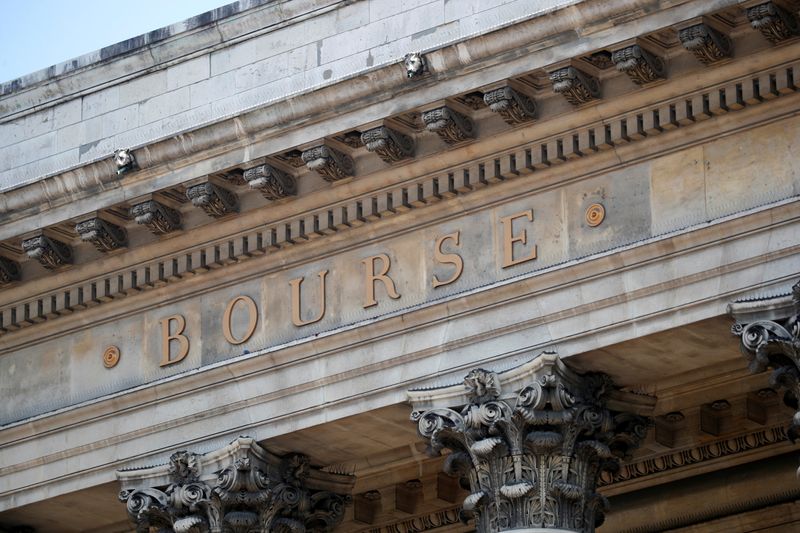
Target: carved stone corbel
point(513, 106)
point(159, 218)
point(331, 164)
point(390, 145)
point(450, 125)
point(51, 253)
point(707, 44)
point(640, 65)
point(575, 85)
point(775, 23)
point(105, 236)
point(533, 454)
point(769, 335)
point(241, 488)
point(216, 201)
point(273, 183)
point(9, 271)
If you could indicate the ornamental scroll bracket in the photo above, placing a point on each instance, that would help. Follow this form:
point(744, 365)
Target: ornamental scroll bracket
point(769, 338)
point(532, 442)
point(241, 488)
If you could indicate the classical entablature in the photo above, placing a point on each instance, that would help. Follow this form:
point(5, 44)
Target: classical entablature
point(309, 214)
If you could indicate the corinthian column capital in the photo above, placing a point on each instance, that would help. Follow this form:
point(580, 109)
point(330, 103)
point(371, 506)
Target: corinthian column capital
point(769, 338)
point(533, 451)
point(241, 488)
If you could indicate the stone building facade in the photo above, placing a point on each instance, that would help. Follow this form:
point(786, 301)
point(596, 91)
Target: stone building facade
point(404, 266)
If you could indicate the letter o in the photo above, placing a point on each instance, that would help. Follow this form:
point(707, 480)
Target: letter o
point(252, 312)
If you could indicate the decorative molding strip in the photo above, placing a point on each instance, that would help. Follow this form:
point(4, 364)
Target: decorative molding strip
point(105, 236)
point(451, 126)
point(686, 457)
point(418, 524)
point(640, 65)
point(274, 184)
point(390, 145)
point(707, 44)
point(51, 253)
point(513, 106)
point(159, 218)
point(775, 23)
point(329, 163)
point(216, 201)
point(575, 85)
point(678, 112)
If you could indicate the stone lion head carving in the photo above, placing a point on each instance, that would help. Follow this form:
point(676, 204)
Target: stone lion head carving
point(124, 160)
point(415, 64)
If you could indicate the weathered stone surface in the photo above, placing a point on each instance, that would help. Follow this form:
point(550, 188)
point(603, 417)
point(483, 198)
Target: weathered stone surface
point(774, 22)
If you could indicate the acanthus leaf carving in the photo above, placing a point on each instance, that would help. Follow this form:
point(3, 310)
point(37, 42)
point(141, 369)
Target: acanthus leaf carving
point(331, 164)
point(255, 491)
point(274, 184)
point(104, 235)
point(775, 344)
point(533, 460)
point(775, 23)
point(707, 44)
point(640, 65)
point(390, 145)
point(159, 218)
point(216, 201)
point(513, 106)
point(51, 253)
point(575, 85)
point(9, 271)
point(450, 125)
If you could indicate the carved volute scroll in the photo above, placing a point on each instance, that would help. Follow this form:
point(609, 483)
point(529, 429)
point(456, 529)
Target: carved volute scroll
point(273, 183)
point(390, 145)
point(329, 163)
point(242, 488)
point(575, 85)
point(105, 236)
point(513, 106)
point(214, 200)
point(775, 23)
point(159, 218)
point(533, 459)
point(451, 126)
point(707, 44)
point(640, 65)
point(51, 253)
point(770, 339)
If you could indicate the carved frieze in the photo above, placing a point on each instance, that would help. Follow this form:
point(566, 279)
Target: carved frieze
point(450, 125)
point(216, 201)
point(513, 106)
point(774, 343)
point(575, 85)
point(51, 253)
point(105, 236)
point(9, 271)
point(159, 218)
point(390, 145)
point(533, 459)
point(254, 491)
point(124, 160)
point(273, 183)
point(775, 23)
point(640, 65)
point(707, 44)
